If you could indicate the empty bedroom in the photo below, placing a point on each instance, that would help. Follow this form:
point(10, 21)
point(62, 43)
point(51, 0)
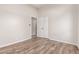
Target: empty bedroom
point(39, 29)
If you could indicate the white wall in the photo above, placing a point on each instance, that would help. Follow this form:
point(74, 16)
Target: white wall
point(60, 22)
point(14, 23)
point(15, 20)
point(78, 25)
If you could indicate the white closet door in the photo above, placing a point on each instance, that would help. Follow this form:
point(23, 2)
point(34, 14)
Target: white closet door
point(42, 27)
point(28, 27)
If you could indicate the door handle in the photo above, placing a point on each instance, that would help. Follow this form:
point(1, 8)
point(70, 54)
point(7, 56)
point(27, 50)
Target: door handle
point(29, 24)
point(42, 28)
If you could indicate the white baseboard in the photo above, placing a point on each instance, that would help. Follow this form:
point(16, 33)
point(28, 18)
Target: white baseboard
point(77, 45)
point(64, 41)
point(30, 38)
point(11, 43)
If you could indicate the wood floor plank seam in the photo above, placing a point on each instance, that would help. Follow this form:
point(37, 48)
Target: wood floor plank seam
point(40, 46)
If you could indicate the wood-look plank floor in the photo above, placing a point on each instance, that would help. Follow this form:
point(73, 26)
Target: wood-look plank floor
point(40, 46)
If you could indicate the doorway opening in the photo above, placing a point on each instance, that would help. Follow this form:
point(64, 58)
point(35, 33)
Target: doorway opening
point(34, 27)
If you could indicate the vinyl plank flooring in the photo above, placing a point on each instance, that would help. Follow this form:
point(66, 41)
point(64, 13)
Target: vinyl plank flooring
point(40, 46)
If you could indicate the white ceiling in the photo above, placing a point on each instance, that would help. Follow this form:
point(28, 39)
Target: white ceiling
point(38, 5)
point(44, 5)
